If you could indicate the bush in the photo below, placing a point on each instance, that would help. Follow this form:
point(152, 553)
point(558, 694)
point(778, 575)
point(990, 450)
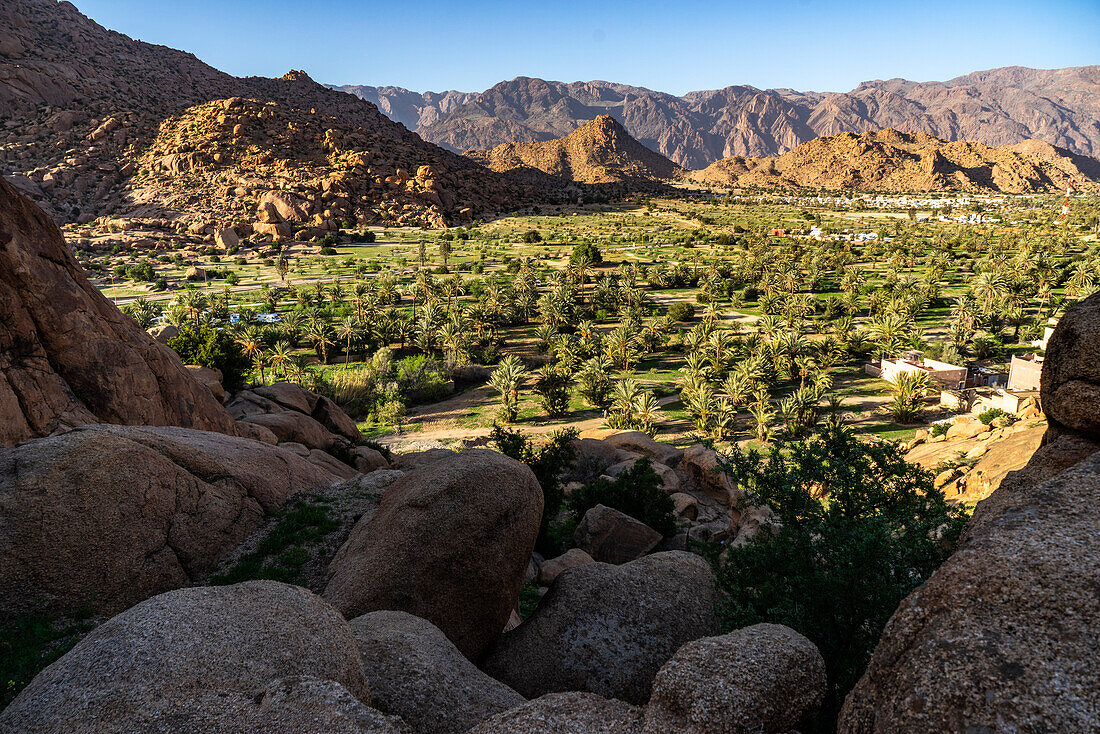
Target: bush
point(328, 251)
point(532, 236)
point(586, 252)
point(939, 429)
point(636, 492)
point(214, 349)
point(547, 462)
point(988, 416)
point(681, 311)
point(858, 529)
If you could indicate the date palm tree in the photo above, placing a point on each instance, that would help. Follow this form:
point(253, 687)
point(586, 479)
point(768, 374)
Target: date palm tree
point(320, 336)
point(348, 330)
point(507, 379)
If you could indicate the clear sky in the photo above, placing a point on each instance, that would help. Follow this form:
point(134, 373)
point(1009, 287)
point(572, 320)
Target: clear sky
point(669, 46)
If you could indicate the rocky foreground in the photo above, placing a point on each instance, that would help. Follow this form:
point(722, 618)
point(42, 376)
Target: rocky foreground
point(406, 619)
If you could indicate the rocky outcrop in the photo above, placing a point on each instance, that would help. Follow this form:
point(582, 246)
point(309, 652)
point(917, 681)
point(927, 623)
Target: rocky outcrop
point(450, 543)
point(216, 659)
point(106, 516)
point(608, 629)
point(68, 357)
point(1071, 370)
point(599, 152)
point(566, 713)
point(610, 536)
point(1005, 632)
point(764, 678)
point(416, 673)
point(295, 414)
point(889, 160)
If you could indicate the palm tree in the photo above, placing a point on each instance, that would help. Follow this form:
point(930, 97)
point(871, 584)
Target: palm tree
point(298, 369)
point(359, 293)
point(595, 382)
point(507, 379)
point(762, 414)
point(320, 336)
point(348, 330)
point(280, 356)
point(646, 410)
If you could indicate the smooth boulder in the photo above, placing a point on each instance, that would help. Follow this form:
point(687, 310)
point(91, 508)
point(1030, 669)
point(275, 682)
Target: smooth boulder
point(450, 543)
point(764, 678)
point(106, 516)
point(1070, 384)
point(566, 713)
point(608, 629)
point(611, 536)
point(172, 661)
point(416, 673)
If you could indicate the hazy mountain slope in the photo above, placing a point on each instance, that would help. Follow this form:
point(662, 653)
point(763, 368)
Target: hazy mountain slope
point(996, 107)
point(888, 160)
point(600, 152)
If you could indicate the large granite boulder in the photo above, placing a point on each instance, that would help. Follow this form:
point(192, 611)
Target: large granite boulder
point(450, 543)
point(68, 356)
point(608, 629)
point(1070, 385)
point(764, 678)
point(611, 536)
point(416, 673)
point(1007, 629)
point(191, 658)
point(566, 713)
point(105, 516)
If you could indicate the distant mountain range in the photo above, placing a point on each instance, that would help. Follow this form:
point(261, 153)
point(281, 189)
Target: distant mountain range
point(996, 107)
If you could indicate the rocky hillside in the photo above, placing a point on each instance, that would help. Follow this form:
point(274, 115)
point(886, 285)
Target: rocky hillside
point(996, 107)
point(80, 107)
point(889, 160)
point(597, 153)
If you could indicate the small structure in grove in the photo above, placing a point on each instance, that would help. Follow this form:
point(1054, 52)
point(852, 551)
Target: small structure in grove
point(947, 376)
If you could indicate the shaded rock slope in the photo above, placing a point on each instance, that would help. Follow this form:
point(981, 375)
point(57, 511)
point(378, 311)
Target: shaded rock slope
point(68, 357)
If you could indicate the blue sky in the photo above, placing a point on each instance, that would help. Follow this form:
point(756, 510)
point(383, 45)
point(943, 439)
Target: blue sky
point(669, 46)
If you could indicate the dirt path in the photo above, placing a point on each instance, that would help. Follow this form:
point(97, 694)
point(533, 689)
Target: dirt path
point(440, 421)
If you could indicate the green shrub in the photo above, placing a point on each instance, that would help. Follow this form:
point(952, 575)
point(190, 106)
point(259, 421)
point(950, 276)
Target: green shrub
point(636, 492)
point(586, 252)
point(283, 553)
point(548, 463)
point(532, 236)
point(30, 643)
point(214, 349)
point(939, 429)
point(858, 529)
point(681, 311)
point(988, 416)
